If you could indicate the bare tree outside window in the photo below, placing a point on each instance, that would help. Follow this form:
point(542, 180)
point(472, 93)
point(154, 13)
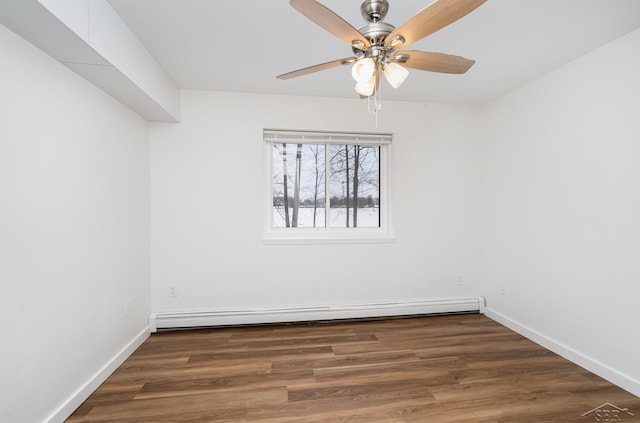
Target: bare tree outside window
point(355, 176)
point(350, 178)
point(298, 169)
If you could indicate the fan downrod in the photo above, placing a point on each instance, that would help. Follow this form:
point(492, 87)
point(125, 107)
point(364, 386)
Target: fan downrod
point(374, 10)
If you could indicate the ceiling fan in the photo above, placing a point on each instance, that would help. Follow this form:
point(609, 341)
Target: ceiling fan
point(376, 45)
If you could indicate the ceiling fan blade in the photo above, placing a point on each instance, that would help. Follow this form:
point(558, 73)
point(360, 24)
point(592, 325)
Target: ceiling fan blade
point(432, 18)
point(328, 20)
point(433, 62)
point(317, 68)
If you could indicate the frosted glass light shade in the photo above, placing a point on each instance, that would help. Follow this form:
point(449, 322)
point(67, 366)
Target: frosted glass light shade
point(395, 74)
point(363, 69)
point(366, 88)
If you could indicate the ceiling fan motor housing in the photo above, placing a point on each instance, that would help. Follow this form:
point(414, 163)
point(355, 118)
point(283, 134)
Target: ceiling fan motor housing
point(374, 11)
point(376, 32)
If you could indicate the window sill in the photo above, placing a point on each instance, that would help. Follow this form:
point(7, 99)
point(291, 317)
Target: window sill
point(325, 237)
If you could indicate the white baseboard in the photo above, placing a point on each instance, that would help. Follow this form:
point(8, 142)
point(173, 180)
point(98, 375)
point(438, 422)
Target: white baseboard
point(302, 314)
point(69, 406)
point(570, 354)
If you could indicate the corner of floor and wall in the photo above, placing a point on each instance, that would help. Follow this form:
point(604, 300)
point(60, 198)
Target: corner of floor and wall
point(74, 219)
point(561, 196)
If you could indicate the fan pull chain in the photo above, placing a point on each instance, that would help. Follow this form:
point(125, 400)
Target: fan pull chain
point(374, 106)
point(377, 107)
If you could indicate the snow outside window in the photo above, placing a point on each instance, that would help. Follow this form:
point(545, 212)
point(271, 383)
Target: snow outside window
point(327, 187)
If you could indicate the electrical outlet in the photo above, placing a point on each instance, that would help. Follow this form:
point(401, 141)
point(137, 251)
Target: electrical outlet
point(127, 307)
point(460, 280)
point(173, 291)
point(503, 289)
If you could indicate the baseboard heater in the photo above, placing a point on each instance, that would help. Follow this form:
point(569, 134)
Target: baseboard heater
point(171, 320)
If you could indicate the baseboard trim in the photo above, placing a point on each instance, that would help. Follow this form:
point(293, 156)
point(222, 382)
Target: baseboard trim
point(69, 406)
point(166, 320)
point(594, 366)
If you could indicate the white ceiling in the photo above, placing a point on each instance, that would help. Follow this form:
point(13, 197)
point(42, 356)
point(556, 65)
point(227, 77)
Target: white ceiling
point(242, 45)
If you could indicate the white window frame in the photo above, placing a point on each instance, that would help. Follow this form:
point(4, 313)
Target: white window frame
point(328, 235)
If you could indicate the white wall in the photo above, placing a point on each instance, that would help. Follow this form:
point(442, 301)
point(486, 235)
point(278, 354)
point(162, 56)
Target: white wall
point(208, 199)
point(74, 225)
point(561, 207)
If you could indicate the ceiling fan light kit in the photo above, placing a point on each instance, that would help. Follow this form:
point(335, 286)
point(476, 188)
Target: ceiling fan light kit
point(395, 74)
point(363, 69)
point(365, 88)
point(375, 46)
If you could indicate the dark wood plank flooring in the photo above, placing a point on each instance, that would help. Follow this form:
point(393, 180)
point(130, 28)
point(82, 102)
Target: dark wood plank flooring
point(458, 368)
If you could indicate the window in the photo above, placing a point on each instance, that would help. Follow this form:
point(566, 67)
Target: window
point(327, 187)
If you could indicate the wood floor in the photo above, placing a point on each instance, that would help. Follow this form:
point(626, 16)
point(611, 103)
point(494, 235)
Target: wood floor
point(463, 368)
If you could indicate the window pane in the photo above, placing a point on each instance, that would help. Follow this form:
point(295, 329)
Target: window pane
point(354, 186)
point(298, 185)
